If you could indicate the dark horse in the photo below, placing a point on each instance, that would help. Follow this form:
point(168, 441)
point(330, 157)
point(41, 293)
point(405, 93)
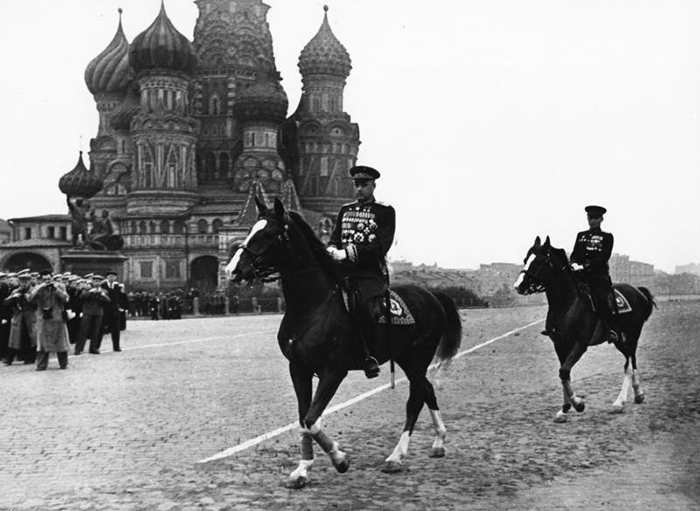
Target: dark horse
point(318, 336)
point(575, 325)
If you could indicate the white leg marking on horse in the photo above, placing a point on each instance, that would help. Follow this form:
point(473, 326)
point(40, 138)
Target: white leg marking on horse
point(302, 470)
point(637, 386)
point(401, 448)
point(619, 403)
point(440, 429)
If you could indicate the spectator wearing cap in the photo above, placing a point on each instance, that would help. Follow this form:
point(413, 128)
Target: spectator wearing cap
point(5, 315)
point(73, 308)
point(111, 321)
point(22, 344)
point(93, 300)
point(50, 297)
point(361, 238)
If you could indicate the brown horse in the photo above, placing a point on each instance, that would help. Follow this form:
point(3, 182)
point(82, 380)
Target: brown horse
point(319, 337)
point(576, 326)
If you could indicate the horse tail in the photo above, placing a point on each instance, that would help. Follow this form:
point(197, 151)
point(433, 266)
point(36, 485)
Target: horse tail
point(452, 338)
point(650, 300)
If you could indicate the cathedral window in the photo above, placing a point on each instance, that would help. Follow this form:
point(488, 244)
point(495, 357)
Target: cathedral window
point(152, 227)
point(165, 227)
point(214, 105)
point(216, 226)
point(225, 164)
point(179, 227)
point(146, 269)
point(133, 228)
point(172, 269)
point(142, 228)
point(210, 165)
point(202, 226)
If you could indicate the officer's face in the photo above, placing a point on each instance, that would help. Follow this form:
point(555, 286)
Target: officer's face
point(594, 222)
point(364, 188)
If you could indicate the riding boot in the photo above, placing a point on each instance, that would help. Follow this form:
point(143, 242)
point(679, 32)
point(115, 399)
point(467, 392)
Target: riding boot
point(370, 365)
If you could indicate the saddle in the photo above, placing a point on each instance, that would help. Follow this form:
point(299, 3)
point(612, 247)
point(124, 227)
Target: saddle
point(400, 313)
point(622, 305)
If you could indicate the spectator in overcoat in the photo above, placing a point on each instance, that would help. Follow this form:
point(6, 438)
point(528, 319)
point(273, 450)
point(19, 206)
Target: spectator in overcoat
point(51, 331)
point(93, 300)
point(23, 325)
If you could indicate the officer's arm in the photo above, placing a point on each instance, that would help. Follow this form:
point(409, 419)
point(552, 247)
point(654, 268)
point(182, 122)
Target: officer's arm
point(374, 251)
point(577, 252)
point(335, 235)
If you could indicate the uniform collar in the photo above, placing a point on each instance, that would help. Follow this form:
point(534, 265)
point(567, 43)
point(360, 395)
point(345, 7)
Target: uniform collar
point(367, 202)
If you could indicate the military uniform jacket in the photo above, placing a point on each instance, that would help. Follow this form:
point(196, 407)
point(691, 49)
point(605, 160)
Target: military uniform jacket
point(592, 250)
point(366, 232)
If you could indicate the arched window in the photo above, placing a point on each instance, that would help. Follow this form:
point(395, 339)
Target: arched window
point(210, 165)
point(165, 227)
point(224, 164)
point(179, 227)
point(202, 226)
point(152, 227)
point(142, 228)
point(133, 228)
point(214, 105)
point(216, 226)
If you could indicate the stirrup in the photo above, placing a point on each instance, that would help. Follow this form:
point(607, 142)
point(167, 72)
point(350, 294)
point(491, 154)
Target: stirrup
point(613, 337)
point(371, 367)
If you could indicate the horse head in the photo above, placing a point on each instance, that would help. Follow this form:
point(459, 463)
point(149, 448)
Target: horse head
point(265, 249)
point(542, 265)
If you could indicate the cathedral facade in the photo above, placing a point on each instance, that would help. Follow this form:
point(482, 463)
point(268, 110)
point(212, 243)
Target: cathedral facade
point(190, 132)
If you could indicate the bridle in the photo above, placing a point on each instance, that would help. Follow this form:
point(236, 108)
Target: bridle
point(272, 273)
point(536, 281)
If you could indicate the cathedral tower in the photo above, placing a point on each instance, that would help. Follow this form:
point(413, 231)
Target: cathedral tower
point(164, 179)
point(326, 139)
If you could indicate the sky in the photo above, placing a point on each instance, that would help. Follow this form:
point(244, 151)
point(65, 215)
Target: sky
point(491, 121)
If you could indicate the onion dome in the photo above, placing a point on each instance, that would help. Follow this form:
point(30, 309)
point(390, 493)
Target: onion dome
point(161, 46)
point(265, 100)
point(80, 182)
point(120, 118)
point(110, 71)
point(324, 54)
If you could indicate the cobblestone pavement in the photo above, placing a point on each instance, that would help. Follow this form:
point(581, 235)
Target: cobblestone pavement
point(123, 431)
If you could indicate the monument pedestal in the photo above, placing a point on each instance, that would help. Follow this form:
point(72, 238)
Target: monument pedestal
point(82, 262)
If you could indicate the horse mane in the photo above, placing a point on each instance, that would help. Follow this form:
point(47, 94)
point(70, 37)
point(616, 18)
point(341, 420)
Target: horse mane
point(318, 248)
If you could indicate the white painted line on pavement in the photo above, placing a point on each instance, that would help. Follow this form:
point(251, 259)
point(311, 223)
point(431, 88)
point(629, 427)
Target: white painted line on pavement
point(205, 339)
point(271, 434)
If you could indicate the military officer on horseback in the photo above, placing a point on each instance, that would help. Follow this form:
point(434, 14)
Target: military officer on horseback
point(363, 234)
point(589, 260)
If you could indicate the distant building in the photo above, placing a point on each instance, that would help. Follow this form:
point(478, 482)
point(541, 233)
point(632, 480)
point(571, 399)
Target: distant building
point(636, 273)
point(692, 268)
point(37, 243)
point(5, 232)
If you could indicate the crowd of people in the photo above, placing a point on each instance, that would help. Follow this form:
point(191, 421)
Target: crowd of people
point(43, 313)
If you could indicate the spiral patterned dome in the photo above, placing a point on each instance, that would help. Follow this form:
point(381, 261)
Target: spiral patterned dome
point(80, 182)
point(265, 100)
point(110, 71)
point(120, 119)
point(324, 54)
point(161, 46)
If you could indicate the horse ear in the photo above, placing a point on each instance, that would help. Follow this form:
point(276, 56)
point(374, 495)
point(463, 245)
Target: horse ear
point(279, 208)
point(537, 241)
point(546, 242)
point(262, 208)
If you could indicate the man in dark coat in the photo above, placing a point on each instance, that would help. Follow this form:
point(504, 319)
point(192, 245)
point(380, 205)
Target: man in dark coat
point(93, 301)
point(111, 320)
point(589, 260)
point(23, 326)
point(363, 234)
point(5, 315)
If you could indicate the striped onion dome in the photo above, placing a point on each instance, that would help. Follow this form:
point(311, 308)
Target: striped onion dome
point(324, 54)
point(80, 182)
point(264, 100)
point(161, 46)
point(110, 71)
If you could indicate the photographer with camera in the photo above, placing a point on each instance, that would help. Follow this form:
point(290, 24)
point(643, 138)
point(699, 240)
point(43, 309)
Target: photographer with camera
point(23, 325)
point(52, 334)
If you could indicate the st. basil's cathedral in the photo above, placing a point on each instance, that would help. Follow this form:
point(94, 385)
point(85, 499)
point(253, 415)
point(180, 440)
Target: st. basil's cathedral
point(191, 132)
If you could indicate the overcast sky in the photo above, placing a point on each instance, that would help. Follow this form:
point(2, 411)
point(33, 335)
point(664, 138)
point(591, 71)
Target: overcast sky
point(492, 121)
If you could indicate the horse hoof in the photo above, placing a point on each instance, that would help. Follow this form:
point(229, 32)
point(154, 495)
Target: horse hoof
point(617, 409)
point(580, 406)
point(342, 466)
point(639, 398)
point(392, 467)
point(296, 484)
point(561, 418)
point(437, 452)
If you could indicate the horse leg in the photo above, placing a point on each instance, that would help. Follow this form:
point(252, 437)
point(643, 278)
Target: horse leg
point(562, 416)
point(636, 385)
point(414, 405)
point(438, 448)
point(301, 379)
point(565, 376)
point(619, 404)
point(328, 383)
